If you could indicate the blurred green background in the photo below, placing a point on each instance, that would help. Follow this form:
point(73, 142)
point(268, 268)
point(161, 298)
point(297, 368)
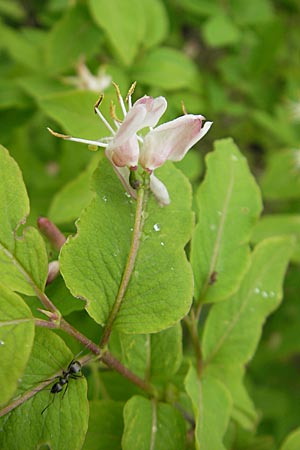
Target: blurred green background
point(236, 62)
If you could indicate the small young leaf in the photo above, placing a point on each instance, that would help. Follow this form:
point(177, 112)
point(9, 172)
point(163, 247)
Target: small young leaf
point(105, 426)
point(149, 424)
point(23, 260)
point(124, 29)
point(211, 405)
point(229, 204)
point(292, 442)
point(16, 338)
point(152, 355)
point(70, 413)
point(93, 262)
point(233, 328)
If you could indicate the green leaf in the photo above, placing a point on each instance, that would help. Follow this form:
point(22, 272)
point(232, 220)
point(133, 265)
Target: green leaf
point(68, 413)
point(229, 204)
point(233, 328)
point(16, 338)
point(73, 110)
point(211, 405)
point(152, 355)
point(23, 260)
point(105, 426)
point(292, 442)
point(168, 69)
point(281, 179)
point(93, 262)
point(279, 225)
point(124, 29)
point(24, 45)
point(151, 425)
point(72, 36)
point(219, 31)
point(157, 25)
point(231, 376)
point(68, 203)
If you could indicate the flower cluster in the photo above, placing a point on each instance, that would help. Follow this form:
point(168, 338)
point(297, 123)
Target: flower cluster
point(126, 149)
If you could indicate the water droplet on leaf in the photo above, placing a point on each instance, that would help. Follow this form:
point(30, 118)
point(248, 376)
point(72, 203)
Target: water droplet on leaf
point(156, 227)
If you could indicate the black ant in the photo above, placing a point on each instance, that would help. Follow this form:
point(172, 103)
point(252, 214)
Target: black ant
point(73, 371)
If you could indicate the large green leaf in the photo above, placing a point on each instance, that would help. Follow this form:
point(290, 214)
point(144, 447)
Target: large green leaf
point(105, 426)
point(68, 413)
point(151, 355)
point(279, 225)
point(233, 328)
point(68, 203)
point(281, 178)
point(167, 68)
point(124, 29)
point(152, 425)
point(231, 375)
point(16, 338)
point(23, 260)
point(229, 204)
point(156, 22)
point(93, 262)
point(211, 405)
point(292, 442)
point(72, 36)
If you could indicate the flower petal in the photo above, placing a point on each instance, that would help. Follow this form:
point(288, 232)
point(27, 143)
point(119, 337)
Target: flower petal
point(132, 123)
point(123, 174)
point(172, 140)
point(159, 190)
point(155, 108)
point(126, 154)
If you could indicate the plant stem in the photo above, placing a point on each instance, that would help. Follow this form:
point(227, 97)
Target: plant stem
point(114, 363)
point(138, 223)
point(64, 325)
point(192, 325)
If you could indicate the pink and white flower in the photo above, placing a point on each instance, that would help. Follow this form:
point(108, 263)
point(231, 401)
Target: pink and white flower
point(126, 149)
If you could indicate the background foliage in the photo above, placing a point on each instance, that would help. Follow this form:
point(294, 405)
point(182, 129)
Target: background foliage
point(236, 62)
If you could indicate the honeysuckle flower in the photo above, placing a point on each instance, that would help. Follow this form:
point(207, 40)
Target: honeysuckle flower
point(126, 149)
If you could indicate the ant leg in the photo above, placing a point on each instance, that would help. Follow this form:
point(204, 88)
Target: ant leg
point(50, 403)
point(66, 388)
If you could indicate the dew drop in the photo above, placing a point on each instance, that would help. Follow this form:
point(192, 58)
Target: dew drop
point(2, 342)
point(162, 244)
point(104, 198)
point(127, 195)
point(234, 158)
point(265, 294)
point(172, 268)
point(256, 290)
point(272, 294)
point(220, 213)
point(131, 228)
point(156, 227)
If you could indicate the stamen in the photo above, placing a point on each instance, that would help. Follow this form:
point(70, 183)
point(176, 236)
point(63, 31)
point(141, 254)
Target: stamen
point(120, 98)
point(113, 114)
point(74, 139)
point(130, 92)
point(97, 111)
point(183, 108)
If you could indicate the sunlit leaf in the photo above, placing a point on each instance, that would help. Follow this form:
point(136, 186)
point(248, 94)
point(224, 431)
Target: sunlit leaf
point(229, 204)
point(149, 424)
